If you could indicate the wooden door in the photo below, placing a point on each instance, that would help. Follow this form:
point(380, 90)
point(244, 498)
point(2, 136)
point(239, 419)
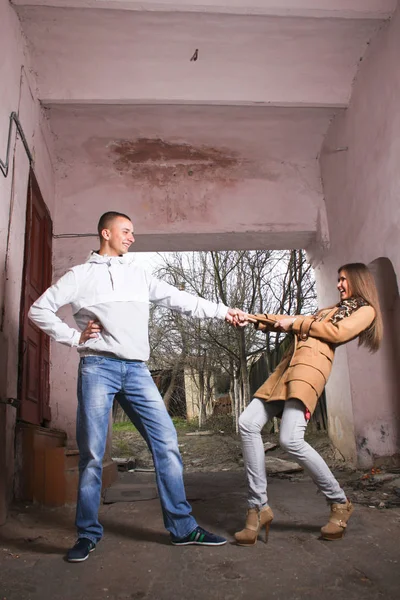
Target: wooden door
point(34, 344)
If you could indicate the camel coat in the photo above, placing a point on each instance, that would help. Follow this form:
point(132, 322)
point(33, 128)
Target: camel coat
point(305, 368)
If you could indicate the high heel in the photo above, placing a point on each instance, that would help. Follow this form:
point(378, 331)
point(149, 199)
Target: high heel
point(255, 520)
point(336, 526)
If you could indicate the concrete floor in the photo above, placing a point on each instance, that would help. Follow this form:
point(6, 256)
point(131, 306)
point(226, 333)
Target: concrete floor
point(136, 561)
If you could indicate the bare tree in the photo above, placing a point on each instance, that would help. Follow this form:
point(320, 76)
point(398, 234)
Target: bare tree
point(279, 282)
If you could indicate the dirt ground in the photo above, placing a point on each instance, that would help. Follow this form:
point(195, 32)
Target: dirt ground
point(135, 560)
point(218, 449)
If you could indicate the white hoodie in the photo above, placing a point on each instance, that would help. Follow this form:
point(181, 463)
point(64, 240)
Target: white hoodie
point(116, 292)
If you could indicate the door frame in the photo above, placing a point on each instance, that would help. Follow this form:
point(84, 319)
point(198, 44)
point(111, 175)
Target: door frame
point(43, 417)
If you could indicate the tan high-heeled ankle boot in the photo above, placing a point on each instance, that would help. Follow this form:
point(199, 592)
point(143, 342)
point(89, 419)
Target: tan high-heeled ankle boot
point(255, 520)
point(336, 526)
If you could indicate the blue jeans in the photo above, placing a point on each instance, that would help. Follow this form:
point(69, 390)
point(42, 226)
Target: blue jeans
point(100, 379)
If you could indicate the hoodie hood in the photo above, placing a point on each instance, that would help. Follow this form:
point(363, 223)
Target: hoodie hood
point(104, 259)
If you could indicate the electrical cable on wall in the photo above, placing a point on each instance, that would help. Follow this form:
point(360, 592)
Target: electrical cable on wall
point(4, 166)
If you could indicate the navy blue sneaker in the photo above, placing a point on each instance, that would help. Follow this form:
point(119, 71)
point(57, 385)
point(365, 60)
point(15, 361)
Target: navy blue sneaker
point(81, 550)
point(199, 537)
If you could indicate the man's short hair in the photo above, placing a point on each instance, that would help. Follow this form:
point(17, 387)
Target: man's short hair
point(106, 220)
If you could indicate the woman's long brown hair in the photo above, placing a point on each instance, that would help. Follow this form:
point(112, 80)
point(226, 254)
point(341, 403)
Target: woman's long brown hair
point(362, 284)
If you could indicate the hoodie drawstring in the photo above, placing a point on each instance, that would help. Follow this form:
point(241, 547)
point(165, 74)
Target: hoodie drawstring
point(111, 275)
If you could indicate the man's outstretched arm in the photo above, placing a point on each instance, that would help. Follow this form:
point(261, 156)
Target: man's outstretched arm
point(168, 296)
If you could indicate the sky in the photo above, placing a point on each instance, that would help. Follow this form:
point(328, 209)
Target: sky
point(148, 260)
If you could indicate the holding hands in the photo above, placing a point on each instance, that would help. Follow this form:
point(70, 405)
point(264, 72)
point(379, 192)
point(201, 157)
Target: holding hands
point(238, 318)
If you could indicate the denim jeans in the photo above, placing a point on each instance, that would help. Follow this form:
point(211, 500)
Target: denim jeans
point(291, 439)
point(100, 379)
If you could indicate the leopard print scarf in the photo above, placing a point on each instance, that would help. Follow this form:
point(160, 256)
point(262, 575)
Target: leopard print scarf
point(346, 307)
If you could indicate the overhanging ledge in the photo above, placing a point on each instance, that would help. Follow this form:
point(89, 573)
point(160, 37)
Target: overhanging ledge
point(340, 9)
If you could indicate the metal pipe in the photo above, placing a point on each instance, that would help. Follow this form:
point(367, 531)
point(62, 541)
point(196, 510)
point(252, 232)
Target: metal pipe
point(5, 166)
point(59, 236)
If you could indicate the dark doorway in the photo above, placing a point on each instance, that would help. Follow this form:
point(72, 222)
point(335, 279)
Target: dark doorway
point(34, 358)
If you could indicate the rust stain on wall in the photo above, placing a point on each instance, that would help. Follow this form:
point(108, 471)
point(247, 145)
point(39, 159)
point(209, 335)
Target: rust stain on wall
point(172, 182)
point(178, 181)
point(160, 162)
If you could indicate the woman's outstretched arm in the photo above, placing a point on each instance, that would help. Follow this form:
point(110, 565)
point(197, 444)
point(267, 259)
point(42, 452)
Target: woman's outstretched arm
point(267, 322)
point(335, 333)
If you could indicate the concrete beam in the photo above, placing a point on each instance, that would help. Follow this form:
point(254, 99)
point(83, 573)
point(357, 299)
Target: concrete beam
point(339, 9)
point(74, 250)
point(139, 103)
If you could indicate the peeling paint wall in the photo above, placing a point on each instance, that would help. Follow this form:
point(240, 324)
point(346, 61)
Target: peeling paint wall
point(187, 177)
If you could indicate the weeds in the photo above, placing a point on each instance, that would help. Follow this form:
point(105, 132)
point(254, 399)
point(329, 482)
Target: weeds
point(180, 423)
point(122, 448)
point(124, 426)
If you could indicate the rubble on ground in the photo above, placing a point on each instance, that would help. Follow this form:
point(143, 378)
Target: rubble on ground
point(212, 451)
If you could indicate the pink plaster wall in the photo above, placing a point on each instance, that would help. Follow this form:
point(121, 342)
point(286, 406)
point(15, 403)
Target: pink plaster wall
point(63, 384)
point(361, 178)
point(18, 93)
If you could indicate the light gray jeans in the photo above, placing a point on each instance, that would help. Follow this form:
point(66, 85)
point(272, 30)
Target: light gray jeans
point(292, 430)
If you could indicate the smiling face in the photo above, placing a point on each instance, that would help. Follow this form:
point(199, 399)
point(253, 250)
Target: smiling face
point(117, 237)
point(343, 286)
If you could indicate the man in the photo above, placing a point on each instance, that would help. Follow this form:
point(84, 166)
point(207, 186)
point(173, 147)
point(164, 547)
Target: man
point(110, 296)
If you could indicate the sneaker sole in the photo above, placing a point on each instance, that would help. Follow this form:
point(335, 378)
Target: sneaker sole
point(199, 543)
point(73, 560)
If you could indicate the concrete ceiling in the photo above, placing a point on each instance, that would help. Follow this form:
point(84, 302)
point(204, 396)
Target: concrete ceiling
point(116, 56)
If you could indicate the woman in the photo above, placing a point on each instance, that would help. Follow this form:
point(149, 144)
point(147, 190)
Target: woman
point(293, 390)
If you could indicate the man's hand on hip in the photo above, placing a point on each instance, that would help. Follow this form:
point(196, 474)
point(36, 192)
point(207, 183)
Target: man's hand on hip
point(92, 330)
